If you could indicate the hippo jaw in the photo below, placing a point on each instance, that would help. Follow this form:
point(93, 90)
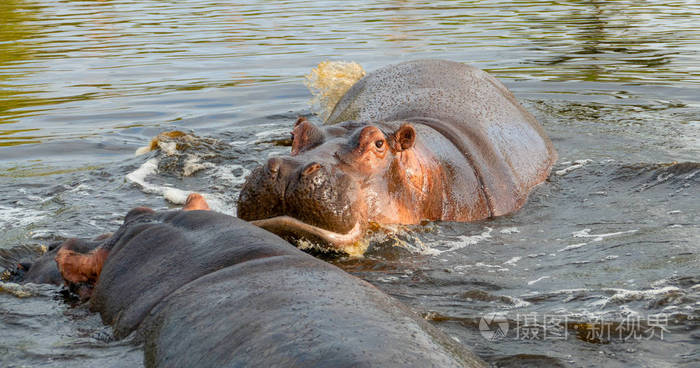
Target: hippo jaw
point(300, 229)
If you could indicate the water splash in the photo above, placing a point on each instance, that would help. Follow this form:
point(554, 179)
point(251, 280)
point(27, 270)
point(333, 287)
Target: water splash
point(329, 81)
point(19, 217)
point(171, 194)
point(576, 165)
point(150, 167)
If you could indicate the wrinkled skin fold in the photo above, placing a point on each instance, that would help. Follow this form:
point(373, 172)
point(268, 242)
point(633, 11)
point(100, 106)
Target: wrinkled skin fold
point(421, 140)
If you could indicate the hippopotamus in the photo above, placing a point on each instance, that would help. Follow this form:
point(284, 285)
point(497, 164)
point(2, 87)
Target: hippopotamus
point(421, 140)
point(204, 289)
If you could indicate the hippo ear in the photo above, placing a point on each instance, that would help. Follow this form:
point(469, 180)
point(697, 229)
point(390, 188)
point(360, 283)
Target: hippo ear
point(404, 138)
point(300, 120)
point(306, 135)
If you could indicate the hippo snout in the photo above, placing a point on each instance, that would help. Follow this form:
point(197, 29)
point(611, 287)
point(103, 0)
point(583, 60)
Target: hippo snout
point(263, 192)
point(322, 198)
point(311, 192)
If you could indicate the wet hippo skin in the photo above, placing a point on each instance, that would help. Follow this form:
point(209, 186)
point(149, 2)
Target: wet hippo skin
point(420, 140)
point(203, 289)
point(278, 306)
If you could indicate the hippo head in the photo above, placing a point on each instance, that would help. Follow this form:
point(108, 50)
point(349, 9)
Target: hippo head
point(336, 180)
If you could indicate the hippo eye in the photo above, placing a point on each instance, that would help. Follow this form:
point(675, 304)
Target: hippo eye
point(379, 143)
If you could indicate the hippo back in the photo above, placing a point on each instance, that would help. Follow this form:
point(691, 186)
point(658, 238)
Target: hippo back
point(502, 142)
point(291, 311)
point(204, 289)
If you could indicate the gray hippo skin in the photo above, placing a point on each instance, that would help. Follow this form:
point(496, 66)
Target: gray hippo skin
point(421, 140)
point(504, 144)
point(203, 289)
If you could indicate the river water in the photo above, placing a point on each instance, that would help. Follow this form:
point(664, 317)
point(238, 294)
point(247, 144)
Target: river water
point(600, 267)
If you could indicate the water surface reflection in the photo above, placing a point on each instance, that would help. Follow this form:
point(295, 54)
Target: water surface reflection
point(74, 69)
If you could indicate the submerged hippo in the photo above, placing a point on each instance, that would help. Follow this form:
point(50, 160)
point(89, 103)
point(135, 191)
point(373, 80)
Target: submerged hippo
point(420, 140)
point(43, 270)
point(203, 289)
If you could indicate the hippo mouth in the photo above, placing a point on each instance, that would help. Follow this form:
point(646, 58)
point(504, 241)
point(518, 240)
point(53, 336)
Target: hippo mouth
point(286, 225)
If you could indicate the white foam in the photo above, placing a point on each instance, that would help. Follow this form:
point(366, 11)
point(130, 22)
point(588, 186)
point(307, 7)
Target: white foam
point(14, 217)
point(621, 296)
point(512, 261)
point(388, 278)
point(141, 150)
point(45, 233)
point(577, 165)
point(81, 189)
point(225, 173)
point(538, 280)
point(509, 230)
point(273, 132)
point(586, 233)
point(624, 295)
point(491, 267)
point(171, 194)
point(150, 167)
point(627, 311)
point(240, 143)
point(401, 236)
point(139, 175)
point(474, 239)
point(193, 163)
point(517, 302)
point(463, 241)
point(175, 195)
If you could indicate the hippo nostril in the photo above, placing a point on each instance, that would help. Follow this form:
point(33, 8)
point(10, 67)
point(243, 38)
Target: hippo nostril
point(310, 168)
point(273, 165)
